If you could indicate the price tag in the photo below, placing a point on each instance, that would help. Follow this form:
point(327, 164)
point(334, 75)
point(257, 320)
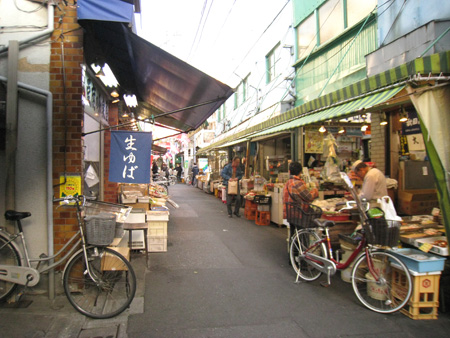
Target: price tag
point(425, 247)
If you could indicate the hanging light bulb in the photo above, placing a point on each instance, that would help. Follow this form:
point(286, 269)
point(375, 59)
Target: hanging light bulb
point(114, 93)
point(115, 100)
point(322, 128)
point(383, 120)
point(99, 72)
point(341, 130)
point(403, 115)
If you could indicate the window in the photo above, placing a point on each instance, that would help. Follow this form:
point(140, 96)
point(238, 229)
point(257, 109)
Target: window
point(331, 20)
point(271, 61)
point(358, 10)
point(241, 93)
point(221, 113)
point(306, 36)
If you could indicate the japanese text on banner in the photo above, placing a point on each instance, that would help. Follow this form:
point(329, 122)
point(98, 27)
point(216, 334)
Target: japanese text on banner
point(130, 157)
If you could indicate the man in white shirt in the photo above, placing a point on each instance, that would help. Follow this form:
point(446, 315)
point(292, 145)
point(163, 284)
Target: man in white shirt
point(374, 181)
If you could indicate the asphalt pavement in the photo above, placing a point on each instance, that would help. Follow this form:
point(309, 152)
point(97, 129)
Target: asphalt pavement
point(220, 277)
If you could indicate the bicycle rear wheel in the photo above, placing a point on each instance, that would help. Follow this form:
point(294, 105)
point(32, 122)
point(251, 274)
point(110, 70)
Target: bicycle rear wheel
point(387, 288)
point(301, 242)
point(111, 289)
point(8, 256)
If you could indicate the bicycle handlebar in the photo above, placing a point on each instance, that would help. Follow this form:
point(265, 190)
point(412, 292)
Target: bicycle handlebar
point(80, 199)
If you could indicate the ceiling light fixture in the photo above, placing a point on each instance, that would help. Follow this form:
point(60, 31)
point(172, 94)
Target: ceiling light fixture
point(114, 93)
point(130, 100)
point(383, 120)
point(100, 72)
point(322, 128)
point(341, 130)
point(115, 100)
point(403, 115)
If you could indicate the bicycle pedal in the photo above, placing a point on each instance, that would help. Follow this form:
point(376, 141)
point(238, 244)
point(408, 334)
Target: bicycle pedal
point(325, 284)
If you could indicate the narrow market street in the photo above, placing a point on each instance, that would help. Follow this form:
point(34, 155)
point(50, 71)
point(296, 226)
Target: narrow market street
point(227, 277)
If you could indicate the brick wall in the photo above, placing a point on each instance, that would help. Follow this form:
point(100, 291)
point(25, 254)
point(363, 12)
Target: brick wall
point(66, 58)
point(110, 188)
point(378, 142)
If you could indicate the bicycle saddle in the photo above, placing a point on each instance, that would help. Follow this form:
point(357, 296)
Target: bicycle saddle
point(12, 215)
point(325, 223)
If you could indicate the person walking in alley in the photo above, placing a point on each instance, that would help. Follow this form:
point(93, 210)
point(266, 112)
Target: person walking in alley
point(178, 170)
point(296, 190)
point(195, 172)
point(233, 172)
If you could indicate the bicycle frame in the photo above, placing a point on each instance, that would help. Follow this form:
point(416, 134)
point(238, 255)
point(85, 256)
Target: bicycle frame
point(326, 241)
point(29, 275)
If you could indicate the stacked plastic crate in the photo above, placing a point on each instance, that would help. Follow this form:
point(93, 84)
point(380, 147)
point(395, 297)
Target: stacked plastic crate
point(157, 220)
point(425, 270)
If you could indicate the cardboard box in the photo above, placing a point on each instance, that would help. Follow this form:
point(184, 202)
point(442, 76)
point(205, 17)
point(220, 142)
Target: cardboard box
point(417, 202)
point(154, 215)
point(112, 263)
point(157, 228)
point(157, 244)
point(145, 206)
point(136, 217)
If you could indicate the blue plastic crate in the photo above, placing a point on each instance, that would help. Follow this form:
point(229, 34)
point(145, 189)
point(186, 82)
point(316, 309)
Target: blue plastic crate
point(419, 261)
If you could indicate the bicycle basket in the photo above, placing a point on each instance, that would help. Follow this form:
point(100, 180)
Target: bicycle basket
point(121, 211)
point(380, 231)
point(100, 229)
point(302, 215)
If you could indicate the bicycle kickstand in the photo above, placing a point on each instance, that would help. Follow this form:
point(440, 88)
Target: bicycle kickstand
point(20, 294)
point(328, 282)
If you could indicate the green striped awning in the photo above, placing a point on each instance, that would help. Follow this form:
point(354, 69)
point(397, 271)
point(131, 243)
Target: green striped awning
point(232, 143)
point(338, 111)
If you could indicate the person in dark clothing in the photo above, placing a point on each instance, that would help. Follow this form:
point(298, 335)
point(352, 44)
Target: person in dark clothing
point(178, 169)
point(233, 171)
point(154, 169)
point(165, 169)
point(195, 172)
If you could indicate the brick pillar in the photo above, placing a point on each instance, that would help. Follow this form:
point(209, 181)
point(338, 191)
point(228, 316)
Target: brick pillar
point(110, 188)
point(65, 72)
point(378, 144)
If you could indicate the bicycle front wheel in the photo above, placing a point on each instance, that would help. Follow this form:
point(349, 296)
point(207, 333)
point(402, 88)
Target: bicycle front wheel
point(385, 289)
point(8, 256)
point(301, 242)
point(109, 288)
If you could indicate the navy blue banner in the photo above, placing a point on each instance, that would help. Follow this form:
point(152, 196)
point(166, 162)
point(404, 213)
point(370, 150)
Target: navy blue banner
point(412, 126)
point(130, 157)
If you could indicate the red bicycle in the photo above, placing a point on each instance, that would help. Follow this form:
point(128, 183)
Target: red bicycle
point(380, 280)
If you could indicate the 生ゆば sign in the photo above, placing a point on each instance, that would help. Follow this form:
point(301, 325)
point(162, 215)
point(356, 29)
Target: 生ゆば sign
point(130, 156)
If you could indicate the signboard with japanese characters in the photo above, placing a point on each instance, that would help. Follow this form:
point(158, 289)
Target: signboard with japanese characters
point(130, 157)
point(412, 133)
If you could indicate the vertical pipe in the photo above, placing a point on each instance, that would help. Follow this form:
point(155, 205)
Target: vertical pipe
point(11, 125)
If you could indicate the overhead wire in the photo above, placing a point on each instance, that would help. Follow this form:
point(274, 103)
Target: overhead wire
point(297, 71)
point(395, 20)
point(198, 27)
point(204, 24)
point(262, 34)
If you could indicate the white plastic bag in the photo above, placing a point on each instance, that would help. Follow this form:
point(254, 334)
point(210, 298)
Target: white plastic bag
point(388, 208)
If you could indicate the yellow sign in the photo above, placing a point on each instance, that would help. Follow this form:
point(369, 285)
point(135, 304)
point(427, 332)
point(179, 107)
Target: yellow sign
point(313, 141)
point(72, 187)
